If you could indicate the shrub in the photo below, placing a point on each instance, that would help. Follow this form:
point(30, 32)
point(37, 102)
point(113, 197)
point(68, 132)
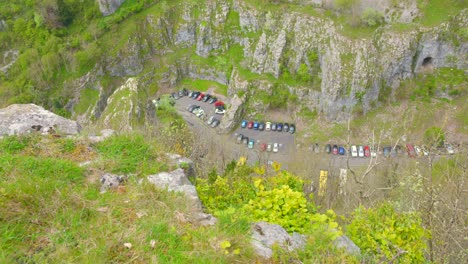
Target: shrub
point(434, 137)
point(383, 233)
point(372, 17)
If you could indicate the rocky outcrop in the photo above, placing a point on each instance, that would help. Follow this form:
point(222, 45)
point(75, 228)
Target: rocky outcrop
point(111, 181)
point(105, 133)
point(122, 107)
point(177, 181)
point(108, 7)
point(343, 242)
point(233, 115)
point(266, 235)
point(9, 58)
point(27, 118)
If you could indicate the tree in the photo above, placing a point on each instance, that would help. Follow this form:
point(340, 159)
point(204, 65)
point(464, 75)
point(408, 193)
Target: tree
point(434, 137)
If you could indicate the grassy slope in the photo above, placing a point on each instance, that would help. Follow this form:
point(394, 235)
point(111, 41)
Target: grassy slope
point(51, 209)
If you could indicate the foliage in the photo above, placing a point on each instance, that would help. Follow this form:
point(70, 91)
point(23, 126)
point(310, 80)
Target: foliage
point(281, 206)
point(372, 17)
point(434, 136)
point(13, 144)
point(345, 4)
point(385, 234)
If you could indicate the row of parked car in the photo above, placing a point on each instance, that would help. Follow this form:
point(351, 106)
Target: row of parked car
point(387, 151)
point(270, 147)
point(200, 113)
point(269, 126)
point(220, 107)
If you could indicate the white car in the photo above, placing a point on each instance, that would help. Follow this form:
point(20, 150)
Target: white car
point(354, 151)
point(361, 151)
point(267, 126)
point(373, 152)
point(418, 150)
point(220, 111)
point(275, 147)
point(200, 113)
point(450, 149)
point(269, 147)
point(210, 120)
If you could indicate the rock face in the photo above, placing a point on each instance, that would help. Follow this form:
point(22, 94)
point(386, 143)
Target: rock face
point(233, 114)
point(26, 118)
point(265, 235)
point(177, 181)
point(347, 244)
point(108, 7)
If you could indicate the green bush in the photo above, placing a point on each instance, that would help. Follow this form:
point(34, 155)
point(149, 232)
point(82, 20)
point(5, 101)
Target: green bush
point(434, 136)
point(383, 232)
point(372, 17)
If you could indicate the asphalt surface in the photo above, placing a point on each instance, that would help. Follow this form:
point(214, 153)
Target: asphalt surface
point(288, 153)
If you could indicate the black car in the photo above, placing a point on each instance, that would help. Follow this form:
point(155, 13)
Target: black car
point(286, 127)
point(181, 93)
point(195, 95)
point(175, 96)
point(212, 100)
point(261, 126)
point(279, 127)
point(273, 126)
point(328, 148)
point(292, 128)
point(245, 140)
point(206, 98)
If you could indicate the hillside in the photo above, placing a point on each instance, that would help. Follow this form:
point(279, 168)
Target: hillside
point(381, 76)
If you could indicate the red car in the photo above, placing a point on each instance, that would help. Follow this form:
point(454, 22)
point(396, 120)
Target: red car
point(200, 97)
point(410, 150)
point(250, 125)
point(219, 103)
point(366, 151)
point(335, 150)
point(263, 147)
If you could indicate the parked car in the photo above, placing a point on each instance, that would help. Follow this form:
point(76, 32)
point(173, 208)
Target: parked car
point(190, 94)
point(410, 150)
point(244, 123)
point(261, 126)
point(200, 113)
point(255, 125)
point(245, 140)
point(181, 93)
point(175, 96)
point(206, 98)
point(418, 150)
point(373, 152)
point(269, 147)
point(354, 151)
point(195, 95)
point(200, 97)
point(212, 100)
point(316, 148)
point(367, 152)
point(286, 127)
point(210, 120)
point(191, 107)
point(341, 151)
point(292, 128)
point(386, 151)
point(335, 150)
point(250, 125)
point(263, 147)
point(361, 151)
point(219, 103)
point(251, 143)
point(196, 110)
point(450, 149)
point(328, 148)
point(220, 110)
point(273, 126)
point(279, 127)
point(215, 123)
point(275, 147)
point(239, 138)
point(268, 126)
point(425, 151)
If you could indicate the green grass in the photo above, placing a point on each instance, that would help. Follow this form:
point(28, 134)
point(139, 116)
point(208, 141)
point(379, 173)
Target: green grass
point(439, 11)
point(88, 98)
point(204, 85)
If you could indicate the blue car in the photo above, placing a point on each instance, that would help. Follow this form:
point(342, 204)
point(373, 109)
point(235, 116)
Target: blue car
point(279, 127)
point(255, 125)
point(244, 123)
point(341, 151)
